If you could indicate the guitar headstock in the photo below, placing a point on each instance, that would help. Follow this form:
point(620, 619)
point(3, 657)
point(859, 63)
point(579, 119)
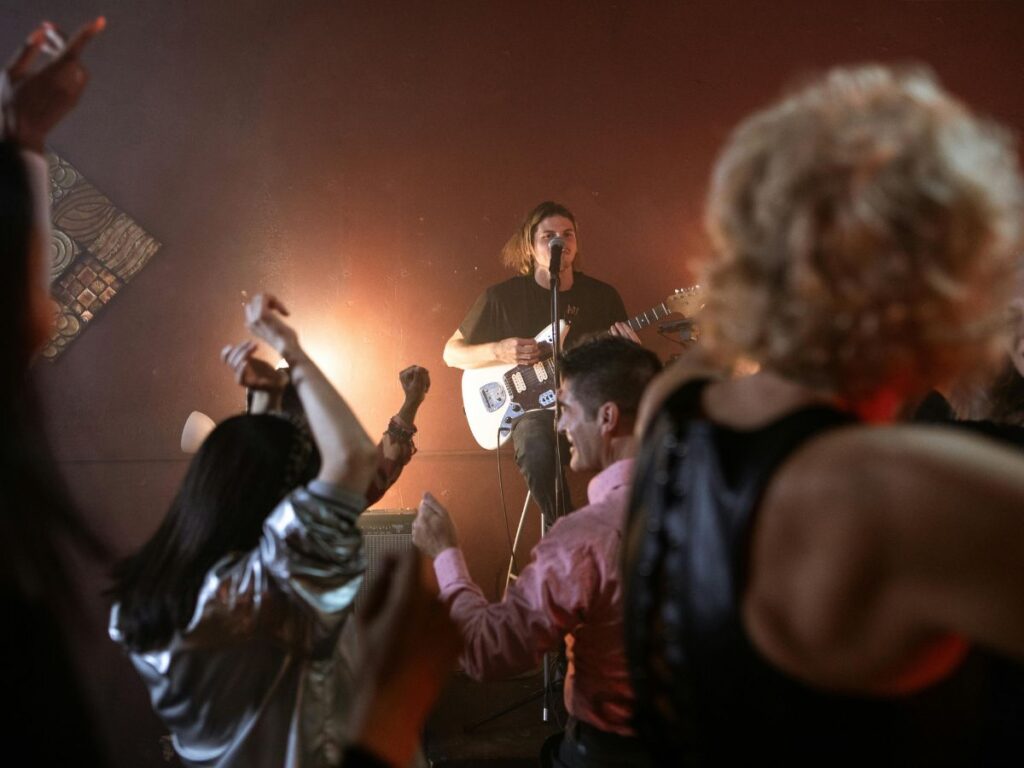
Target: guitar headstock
point(686, 301)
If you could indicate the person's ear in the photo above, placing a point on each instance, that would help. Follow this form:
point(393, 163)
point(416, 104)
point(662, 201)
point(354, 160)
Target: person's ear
point(608, 417)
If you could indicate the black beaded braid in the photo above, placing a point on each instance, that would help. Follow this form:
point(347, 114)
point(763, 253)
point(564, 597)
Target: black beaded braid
point(656, 567)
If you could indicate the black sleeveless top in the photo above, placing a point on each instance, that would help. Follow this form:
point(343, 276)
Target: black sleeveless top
point(705, 695)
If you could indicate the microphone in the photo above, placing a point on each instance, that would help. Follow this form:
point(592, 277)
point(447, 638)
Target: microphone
point(555, 247)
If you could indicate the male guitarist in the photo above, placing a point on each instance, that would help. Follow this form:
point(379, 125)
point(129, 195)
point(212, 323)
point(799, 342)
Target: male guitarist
point(500, 328)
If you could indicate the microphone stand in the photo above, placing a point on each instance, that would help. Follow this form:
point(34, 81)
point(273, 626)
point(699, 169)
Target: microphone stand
point(556, 369)
point(556, 351)
point(554, 270)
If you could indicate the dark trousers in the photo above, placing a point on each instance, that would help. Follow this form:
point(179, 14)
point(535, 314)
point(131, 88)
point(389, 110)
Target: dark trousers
point(534, 440)
point(584, 746)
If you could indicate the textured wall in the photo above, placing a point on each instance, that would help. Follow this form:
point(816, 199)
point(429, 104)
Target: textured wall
point(366, 160)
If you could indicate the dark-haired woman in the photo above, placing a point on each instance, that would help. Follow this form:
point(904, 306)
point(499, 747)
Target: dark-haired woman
point(233, 609)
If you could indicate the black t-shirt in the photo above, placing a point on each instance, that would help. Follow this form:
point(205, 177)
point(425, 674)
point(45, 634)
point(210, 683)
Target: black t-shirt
point(521, 308)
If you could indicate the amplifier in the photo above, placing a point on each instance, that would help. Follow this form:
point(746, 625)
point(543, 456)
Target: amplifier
point(384, 531)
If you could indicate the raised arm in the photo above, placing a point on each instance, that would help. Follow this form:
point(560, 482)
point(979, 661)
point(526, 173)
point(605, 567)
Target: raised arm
point(538, 609)
point(34, 102)
point(458, 353)
point(415, 381)
point(348, 455)
point(409, 651)
point(396, 446)
point(264, 384)
point(909, 537)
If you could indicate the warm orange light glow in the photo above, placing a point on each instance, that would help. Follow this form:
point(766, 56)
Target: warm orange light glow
point(330, 351)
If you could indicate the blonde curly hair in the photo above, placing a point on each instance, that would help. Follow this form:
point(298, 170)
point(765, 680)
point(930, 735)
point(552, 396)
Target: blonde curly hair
point(865, 229)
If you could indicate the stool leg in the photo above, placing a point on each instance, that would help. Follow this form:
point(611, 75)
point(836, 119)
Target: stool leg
point(509, 577)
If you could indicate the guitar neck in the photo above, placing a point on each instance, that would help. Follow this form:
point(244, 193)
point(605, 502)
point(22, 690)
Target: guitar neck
point(651, 315)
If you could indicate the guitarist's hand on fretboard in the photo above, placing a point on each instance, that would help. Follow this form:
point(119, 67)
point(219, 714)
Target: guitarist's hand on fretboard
point(495, 394)
point(625, 331)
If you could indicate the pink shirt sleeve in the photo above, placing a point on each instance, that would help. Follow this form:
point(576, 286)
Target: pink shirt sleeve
point(541, 606)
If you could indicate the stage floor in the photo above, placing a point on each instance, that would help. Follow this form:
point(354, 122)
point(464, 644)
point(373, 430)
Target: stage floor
point(510, 740)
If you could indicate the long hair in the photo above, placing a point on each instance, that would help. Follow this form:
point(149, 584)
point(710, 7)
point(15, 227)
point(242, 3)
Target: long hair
point(1004, 402)
point(995, 394)
point(240, 473)
point(517, 253)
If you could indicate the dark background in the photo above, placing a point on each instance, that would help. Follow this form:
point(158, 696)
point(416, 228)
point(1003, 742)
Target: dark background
point(366, 161)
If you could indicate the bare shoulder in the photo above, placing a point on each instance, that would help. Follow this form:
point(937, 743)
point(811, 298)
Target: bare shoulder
point(854, 533)
point(888, 469)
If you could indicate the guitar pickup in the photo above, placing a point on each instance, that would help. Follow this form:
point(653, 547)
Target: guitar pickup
point(493, 395)
point(547, 398)
point(518, 381)
point(540, 371)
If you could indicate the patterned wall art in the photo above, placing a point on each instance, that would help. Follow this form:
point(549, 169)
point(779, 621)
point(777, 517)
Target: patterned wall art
point(96, 250)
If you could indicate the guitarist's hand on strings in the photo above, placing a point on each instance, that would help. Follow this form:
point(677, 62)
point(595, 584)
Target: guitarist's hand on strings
point(517, 351)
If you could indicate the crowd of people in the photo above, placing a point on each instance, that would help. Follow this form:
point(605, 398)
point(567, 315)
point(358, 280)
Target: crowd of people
point(803, 544)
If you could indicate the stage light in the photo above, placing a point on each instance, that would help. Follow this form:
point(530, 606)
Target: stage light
point(331, 352)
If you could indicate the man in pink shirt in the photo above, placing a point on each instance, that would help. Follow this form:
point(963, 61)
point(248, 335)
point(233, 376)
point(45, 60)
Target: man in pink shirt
point(572, 588)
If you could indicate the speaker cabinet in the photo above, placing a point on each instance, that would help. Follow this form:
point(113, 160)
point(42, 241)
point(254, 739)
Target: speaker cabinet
point(384, 531)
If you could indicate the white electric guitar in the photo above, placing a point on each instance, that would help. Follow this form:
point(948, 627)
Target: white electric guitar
point(495, 396)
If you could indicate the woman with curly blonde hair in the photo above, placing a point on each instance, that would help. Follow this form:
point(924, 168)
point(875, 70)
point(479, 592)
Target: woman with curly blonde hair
point(810, 584)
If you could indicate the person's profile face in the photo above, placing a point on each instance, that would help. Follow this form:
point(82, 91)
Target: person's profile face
point(583, 431)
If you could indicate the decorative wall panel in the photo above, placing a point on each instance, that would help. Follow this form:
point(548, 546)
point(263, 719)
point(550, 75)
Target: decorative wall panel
point(96, 251)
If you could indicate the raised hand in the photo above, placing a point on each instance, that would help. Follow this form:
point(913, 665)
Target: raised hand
point(39, 100)
point(264, 316)
point(518, 351)
point(415, 383)
point(410, 646)
point(253, 372)
point(433, 530)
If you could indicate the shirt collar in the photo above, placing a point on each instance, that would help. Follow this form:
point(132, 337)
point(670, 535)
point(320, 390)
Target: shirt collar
point(608, 479)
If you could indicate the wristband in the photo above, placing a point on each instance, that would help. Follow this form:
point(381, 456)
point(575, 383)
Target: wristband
point(400, 432)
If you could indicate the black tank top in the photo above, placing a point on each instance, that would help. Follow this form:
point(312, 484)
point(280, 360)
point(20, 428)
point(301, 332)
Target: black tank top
point(705, 695)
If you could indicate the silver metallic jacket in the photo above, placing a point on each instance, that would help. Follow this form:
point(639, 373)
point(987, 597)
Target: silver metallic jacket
point(257, 678)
